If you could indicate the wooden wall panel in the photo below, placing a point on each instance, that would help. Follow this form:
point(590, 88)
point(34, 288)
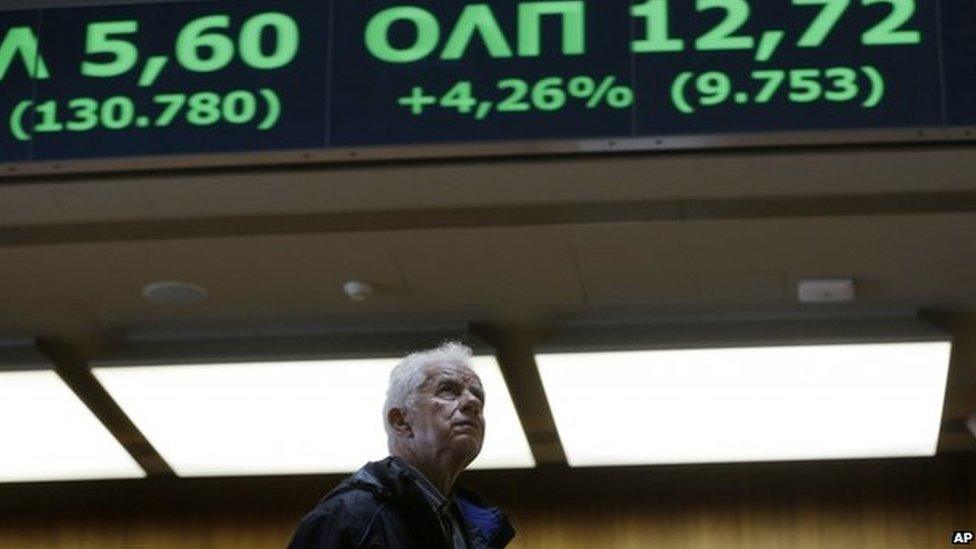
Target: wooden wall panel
point(890, 504)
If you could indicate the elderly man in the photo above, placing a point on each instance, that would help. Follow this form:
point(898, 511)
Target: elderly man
point(435, 428)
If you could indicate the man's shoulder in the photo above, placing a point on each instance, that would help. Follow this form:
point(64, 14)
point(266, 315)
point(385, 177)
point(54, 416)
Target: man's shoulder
point(356, 498)
point(344, 517)
point(352, 500)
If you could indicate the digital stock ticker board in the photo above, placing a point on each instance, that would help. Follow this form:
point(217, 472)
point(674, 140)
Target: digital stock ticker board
point(245, 76)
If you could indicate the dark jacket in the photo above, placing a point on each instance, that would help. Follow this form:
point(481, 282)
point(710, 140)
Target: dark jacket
point(380, 506)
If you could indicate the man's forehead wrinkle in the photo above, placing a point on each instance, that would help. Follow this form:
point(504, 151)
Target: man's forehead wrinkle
point(453, 371)
point(447, 372)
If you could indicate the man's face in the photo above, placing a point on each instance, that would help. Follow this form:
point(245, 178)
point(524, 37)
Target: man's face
point(446, 416)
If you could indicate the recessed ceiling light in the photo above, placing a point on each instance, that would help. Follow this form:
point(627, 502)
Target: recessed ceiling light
point(174, 293)
point(747, 404)
point(47, 433)
point(286, 417)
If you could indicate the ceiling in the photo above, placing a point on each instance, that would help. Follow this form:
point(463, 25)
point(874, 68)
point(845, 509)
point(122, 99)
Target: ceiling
point(556, 272)
point(539, 242)
point(548, 238)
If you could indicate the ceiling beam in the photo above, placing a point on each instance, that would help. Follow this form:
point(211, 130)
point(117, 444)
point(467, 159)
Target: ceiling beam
point(74, 371)
point(495, 216)
point(960, 400)
point(515, 349)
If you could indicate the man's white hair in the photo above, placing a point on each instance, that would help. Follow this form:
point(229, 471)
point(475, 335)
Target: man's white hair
point(411, 373)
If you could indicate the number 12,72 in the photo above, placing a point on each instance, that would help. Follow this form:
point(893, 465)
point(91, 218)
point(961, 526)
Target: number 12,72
point(889, 30)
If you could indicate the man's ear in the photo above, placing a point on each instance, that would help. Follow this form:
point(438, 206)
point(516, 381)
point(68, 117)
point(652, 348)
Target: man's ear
point(398, 420)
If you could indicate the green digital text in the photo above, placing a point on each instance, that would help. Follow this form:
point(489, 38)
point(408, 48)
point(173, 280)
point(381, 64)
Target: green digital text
point(261, 109)
point(863, 86)
point(476, 20)
point(724, 24)
point(21, 43)
point(515, 95)
point(203, 45)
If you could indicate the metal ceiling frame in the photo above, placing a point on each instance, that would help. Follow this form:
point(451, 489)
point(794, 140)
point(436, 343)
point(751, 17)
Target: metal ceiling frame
point(493, 149)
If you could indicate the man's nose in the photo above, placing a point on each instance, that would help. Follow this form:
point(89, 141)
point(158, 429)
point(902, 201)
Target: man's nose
point(471, 404)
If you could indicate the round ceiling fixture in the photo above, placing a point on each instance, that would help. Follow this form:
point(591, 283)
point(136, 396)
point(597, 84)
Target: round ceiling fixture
point(174, 293)
point(357, 290)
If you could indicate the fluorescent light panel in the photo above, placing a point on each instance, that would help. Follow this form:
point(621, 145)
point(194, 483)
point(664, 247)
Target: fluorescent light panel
point(747, 404)
point(47, 433)
point(286, 417)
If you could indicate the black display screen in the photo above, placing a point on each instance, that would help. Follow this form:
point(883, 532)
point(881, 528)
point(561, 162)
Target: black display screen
point(263, 75)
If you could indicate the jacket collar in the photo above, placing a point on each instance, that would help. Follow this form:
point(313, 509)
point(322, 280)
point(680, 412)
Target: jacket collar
point(489, 522)
point(395, 481)
point(408, 473)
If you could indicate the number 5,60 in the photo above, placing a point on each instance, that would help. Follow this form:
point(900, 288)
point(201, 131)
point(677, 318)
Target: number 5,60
point(201, 46)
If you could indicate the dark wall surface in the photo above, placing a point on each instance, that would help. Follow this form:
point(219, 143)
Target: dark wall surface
point(904, 503)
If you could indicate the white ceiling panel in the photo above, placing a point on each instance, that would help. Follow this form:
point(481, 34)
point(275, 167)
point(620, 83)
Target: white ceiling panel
point(267, 418)
point(47, 433)
point(747, 404)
